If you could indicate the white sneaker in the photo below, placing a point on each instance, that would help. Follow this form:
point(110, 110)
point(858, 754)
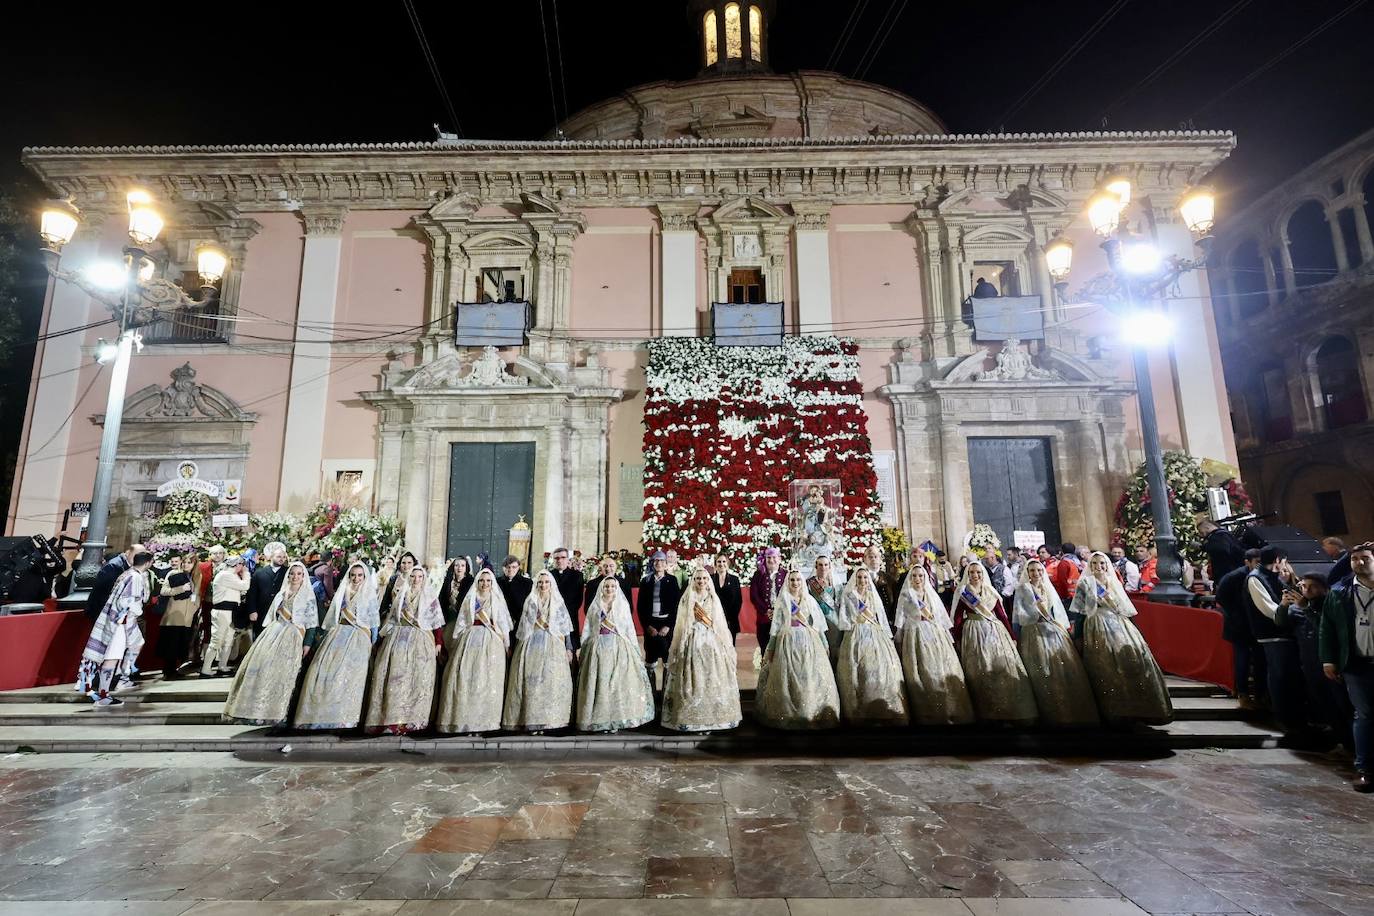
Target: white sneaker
point(124, 684)
point(108, 701)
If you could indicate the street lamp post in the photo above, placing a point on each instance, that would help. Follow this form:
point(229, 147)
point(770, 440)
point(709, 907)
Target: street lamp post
point(1140, 276)
point(138, 284)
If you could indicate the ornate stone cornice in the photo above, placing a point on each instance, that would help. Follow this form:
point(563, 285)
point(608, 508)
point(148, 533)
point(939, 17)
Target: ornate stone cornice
point(630, 172)
point(813, 215)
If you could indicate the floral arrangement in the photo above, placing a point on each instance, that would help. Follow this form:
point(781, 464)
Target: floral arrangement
point(982, 541)
point(728, 428)
point(275, 526)
point(182, 513)
point(163, 547)
point(322, 519)
point(357, 532)
point(1187, 484)
point(896, 549)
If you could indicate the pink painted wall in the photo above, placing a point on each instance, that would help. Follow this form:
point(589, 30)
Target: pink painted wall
point(614, 274)
point(383, 279)
point(874, 272)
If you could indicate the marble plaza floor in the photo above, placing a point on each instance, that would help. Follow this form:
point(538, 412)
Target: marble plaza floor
point(1223, 831)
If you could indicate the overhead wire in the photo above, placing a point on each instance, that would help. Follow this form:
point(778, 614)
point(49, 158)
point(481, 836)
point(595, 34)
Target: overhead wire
point(558, 47)
point(1061, 63)
point(1210, 29)
point(1278, 58)
point(851, 26)
point(433, 65)
point(862, 71)
point(548, 66)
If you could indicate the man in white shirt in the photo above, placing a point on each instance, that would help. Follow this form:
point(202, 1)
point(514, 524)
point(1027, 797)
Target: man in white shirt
point(1268, 587)
point(1127, 570)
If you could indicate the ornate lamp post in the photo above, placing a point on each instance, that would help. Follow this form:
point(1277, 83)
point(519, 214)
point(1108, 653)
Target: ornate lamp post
point(137, 298)
point(1139, 278)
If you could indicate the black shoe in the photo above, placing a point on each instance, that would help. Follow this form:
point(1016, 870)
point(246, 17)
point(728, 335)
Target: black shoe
point(1364, 783)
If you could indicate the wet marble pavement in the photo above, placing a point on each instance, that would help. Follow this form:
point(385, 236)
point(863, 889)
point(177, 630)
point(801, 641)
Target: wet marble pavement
point(1247, 831)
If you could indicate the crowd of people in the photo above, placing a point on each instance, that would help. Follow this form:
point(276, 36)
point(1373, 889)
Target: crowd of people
point(1018, 641)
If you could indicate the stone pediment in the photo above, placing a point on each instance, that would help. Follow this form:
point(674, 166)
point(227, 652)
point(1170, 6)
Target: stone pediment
point(1052, 367)
point(487, 371)
point(183, 401)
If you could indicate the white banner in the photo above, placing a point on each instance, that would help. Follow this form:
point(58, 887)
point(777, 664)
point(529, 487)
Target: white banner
point(181, 485)
point(238, 520)
point(1028, 540)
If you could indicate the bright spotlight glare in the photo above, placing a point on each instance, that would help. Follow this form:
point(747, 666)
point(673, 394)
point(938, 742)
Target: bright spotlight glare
point(1148, 329)
point(106, 351)
point(106, 274)
point(1140, 258)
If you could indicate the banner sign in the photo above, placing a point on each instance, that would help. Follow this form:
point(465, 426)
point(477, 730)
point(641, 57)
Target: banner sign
point(754, 324)
point(181, 485)
point(1008, 317)
point(491, 324)
point(1028, 540)
point(230, 521)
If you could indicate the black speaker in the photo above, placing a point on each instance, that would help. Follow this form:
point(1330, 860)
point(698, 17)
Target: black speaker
point(1305, 552)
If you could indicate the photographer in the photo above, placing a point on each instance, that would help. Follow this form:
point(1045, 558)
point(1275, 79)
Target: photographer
point(1272, 587)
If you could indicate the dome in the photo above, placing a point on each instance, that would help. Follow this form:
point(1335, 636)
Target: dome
point(806, 104)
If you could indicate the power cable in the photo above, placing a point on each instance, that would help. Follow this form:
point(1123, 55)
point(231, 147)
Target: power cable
point(1179, 54)
point(33, 453)
point(862, 72)
point(1061, 63)
point(842, 41)
point(548, 66)
point(1278, 58)
point(433, 65)
point(558, 46)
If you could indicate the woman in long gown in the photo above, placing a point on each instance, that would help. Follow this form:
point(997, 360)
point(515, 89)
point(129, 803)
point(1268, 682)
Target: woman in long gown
point(1063, 695)
point(702, 690)
point(613, 689)
point(934, 677)
point(478, 643)
point(539, 684)
point(332, 695)
point(868, 672)
point(796, 685)
point(996, 678)
point(401, 692)
point(1125, 676)
point(260, 693)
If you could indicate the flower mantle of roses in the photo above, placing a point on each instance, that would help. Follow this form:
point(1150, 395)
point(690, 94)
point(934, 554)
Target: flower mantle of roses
point(727, 429)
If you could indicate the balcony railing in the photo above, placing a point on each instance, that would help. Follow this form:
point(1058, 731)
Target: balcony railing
point(201, 324)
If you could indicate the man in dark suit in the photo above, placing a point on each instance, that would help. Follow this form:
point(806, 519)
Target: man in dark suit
point(515, 587)
point(110, 571)
point(728, 590)
point(263, 587)
point(606, 570)
point(658, 598)
point(570, 584)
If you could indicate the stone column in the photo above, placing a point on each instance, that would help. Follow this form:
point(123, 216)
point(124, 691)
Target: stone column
point(812, 256)
point(308, 399)
point(1333, 222)
point(36, 506)
point(1290, 282)
point(1197, 370)
point(417, 495)
point(555, 506)
point(678, 315)
point(1096, 523)
point(1362, 231)
point(953, 459)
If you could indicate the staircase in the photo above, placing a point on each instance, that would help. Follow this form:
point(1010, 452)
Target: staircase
point(184, 715)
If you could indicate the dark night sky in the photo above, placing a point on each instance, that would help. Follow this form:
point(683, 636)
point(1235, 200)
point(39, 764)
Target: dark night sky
point(302, 72)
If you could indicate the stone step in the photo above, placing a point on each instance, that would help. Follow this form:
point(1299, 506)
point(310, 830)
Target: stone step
point(145, 712)
point(1194, 708)
point(1183, 687)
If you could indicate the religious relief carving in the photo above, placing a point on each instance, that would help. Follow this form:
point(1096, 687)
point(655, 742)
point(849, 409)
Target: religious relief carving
point(1015, 365)
point(747, 246)
point(182, 398)
point(489, 371)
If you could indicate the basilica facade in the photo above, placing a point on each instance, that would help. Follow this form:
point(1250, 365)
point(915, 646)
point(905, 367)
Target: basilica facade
point(330, 355)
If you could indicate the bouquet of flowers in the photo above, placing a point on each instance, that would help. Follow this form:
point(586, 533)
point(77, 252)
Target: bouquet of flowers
point(164, 546)
point(359, 533)
point(1187, 483)
point(275, 526)
point(896, 549)
point(983, 542)
point(182, 513)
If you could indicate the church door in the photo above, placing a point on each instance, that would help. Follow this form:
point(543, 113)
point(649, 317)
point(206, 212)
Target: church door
point(490, 485)
point(1013, 486)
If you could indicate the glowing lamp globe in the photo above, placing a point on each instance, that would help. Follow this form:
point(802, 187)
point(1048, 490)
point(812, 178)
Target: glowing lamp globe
point(145, 223)
point(1148, 328)
point(1140, 258)
point(1059, 257)
point(57, 225)
point(1198, 209)
point(1104, 213)
point(1121, 187)
point(210, 263)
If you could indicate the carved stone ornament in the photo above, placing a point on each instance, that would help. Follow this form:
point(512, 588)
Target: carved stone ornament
point(182, 398)
point(489, 371)
point(1014, 365)
point(747, 245)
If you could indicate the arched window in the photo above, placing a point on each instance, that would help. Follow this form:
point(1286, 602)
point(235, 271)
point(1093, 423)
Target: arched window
point(1249, 285)
point(756, 33)
point(1310, 247)
point(708, 31)
point(734, 43)
point(1338, 377)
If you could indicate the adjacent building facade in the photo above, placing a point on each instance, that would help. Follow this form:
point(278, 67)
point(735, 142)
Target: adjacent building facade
point(330, 355)
point(1294, 280)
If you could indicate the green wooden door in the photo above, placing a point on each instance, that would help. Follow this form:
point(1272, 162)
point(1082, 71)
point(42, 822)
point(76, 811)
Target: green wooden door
point(491, 484)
